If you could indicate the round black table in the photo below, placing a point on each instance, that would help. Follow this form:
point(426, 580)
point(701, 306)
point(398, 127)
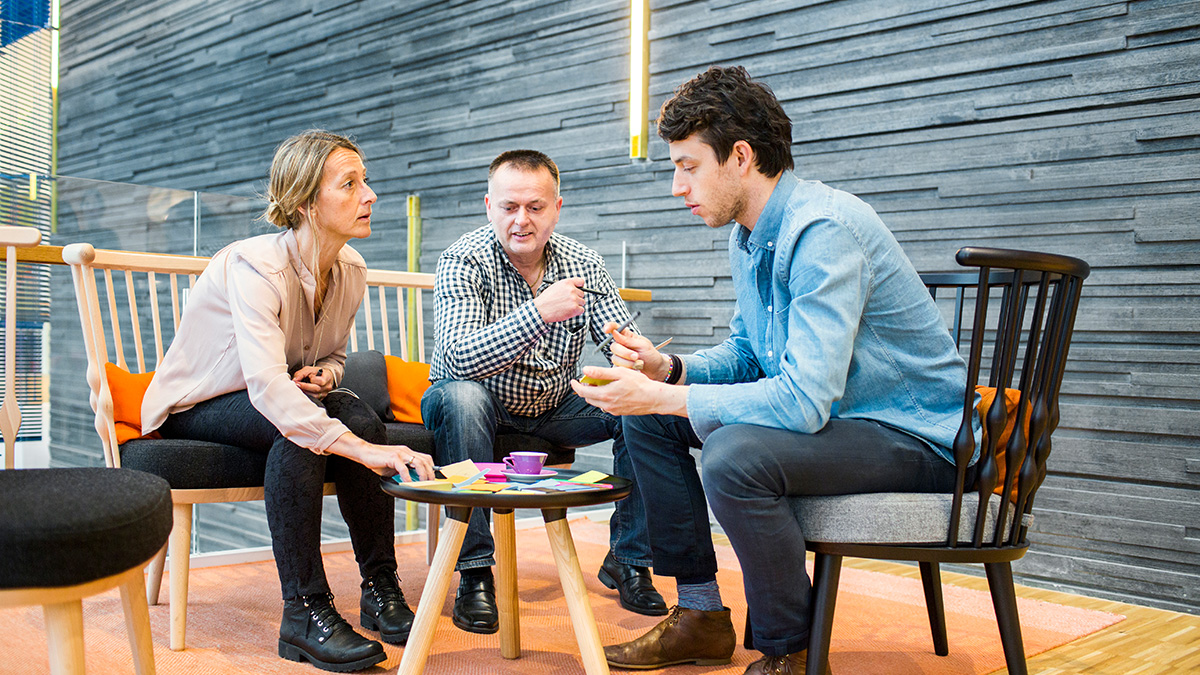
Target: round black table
point(553, 506)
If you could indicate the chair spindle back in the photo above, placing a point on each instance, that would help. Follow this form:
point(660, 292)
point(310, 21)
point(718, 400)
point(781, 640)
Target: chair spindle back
point(1024, 315)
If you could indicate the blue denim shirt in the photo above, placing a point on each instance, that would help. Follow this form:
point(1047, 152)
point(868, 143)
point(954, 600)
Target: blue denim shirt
point(831, 321)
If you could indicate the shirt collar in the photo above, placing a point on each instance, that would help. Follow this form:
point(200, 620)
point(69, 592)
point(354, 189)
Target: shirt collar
point(766, 230)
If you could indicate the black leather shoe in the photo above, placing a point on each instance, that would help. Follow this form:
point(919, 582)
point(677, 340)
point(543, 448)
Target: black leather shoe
point(383, 608)
point(475, 604)
point(313, 631)
point(635, 586)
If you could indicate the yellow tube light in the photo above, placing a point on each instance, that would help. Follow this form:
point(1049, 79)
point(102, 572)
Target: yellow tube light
point(639, 78)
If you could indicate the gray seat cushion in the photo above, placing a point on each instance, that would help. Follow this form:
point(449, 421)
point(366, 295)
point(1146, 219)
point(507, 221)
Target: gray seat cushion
point(63, 527)
point(415, 436)
point(889, 518)
point(188, 465)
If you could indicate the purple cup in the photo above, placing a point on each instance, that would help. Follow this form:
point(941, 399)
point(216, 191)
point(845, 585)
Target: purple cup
point(525, 463)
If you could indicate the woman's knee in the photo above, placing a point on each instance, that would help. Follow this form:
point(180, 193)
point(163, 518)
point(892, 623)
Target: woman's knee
point(357, 416)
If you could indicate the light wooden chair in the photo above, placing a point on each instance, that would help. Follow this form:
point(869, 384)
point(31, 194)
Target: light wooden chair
point(138, 290)
point(71, 533)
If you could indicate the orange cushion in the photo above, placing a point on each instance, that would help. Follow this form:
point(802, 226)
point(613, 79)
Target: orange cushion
point(127, 389)
point(1012, 397)
point(406, 382)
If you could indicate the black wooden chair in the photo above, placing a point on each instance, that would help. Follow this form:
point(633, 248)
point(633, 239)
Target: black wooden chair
point(1024, 314)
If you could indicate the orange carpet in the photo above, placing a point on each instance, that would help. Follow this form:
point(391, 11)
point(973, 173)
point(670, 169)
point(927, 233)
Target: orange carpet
point(880, 627)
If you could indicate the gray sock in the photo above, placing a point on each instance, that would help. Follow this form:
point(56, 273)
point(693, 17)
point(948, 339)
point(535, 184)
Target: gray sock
point(704, 597)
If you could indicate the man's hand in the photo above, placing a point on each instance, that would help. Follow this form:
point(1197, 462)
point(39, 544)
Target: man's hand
point(563, 300)
point(631, 393)
point(636, 352)
point(315, 381)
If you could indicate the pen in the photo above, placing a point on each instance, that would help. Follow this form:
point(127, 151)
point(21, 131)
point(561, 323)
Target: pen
point(593, 291)
point(625, 324)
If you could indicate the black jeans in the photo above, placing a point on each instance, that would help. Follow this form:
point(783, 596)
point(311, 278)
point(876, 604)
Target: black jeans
point(294, 481)
point(748, 472)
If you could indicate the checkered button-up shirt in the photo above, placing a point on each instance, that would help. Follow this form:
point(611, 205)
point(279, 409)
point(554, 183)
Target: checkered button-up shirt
point(486, 327)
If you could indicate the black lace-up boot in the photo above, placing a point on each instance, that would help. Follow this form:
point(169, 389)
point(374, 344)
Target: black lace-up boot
point(313, 631)
point(383, 608)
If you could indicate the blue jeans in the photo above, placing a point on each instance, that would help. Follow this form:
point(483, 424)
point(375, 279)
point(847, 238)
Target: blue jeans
point(465, 418)
point(749, 471)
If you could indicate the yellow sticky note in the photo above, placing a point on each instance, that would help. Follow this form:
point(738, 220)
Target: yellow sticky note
point(460, 471)
point(483, 486)
point(593, 381)
point(430, 484)
point(589, 477)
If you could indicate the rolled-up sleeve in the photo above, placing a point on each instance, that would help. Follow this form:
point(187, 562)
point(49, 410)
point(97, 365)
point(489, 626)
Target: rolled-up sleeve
point(828, 279)
point(255, 305)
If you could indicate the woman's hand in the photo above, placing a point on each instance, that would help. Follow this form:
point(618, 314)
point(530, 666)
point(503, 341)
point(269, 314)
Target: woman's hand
point(315, 381)
point(636, 352)
point(396, 460)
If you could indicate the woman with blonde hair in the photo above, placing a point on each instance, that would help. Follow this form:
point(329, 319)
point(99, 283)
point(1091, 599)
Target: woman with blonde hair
point(254, 365)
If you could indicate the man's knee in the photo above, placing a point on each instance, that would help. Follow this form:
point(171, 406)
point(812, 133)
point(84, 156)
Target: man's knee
point(730, 455)
point(647, 426)
point(448, 400)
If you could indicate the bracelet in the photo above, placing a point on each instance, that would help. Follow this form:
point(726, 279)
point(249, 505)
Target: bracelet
point(675, 370)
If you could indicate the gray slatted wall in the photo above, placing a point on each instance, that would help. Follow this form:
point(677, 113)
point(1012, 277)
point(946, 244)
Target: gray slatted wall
point(1070, 126)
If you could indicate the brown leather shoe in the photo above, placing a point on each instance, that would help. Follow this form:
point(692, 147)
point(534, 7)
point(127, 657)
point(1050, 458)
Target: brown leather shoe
point(685, 636)
point(792, 664)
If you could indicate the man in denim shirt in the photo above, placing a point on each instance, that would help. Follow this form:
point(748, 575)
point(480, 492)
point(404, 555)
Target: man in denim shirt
point(838, 377)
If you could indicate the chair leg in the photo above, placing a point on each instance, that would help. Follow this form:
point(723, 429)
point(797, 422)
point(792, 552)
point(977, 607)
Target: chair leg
point(137, 622)
point(154, 576)
point(826, 574)
point(64, 634)
point(1004, 599)
point(931, 578)
point(181, 551)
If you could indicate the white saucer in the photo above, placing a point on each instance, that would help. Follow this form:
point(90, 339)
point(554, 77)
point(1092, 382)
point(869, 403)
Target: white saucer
point(546, 473)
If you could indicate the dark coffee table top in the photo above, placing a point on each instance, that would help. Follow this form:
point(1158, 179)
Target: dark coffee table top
point(511, 499)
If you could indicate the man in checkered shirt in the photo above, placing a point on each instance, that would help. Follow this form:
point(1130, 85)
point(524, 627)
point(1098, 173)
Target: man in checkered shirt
point(510, 322)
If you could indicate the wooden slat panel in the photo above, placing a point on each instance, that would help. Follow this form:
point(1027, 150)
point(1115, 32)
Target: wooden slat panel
point(1071, 126)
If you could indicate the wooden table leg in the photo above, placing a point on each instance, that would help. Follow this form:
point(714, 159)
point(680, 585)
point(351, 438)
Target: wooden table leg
point(506, 583)
point(575, 592)
point(436, 586)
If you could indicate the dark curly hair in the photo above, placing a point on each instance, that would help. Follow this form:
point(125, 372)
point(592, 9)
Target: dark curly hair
point(725, 106)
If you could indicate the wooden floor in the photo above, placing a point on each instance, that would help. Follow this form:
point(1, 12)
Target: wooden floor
point(1148, 642)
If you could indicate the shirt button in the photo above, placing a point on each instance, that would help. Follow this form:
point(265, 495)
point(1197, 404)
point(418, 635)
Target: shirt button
point(770, 353)
point(307, 347)
point(768, 309)
point(770, 244)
